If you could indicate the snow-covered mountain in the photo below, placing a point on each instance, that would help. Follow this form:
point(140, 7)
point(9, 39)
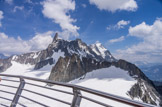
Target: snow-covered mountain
point(99, 49)
point(51, 54)
point(91, 66)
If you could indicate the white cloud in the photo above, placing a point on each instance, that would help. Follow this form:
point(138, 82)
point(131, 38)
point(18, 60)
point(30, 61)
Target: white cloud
point(10, 45)
point(9, 1)
point(120, 25)
point(116, 40)
point(1, 17)
point(58, 10)
point(84, 5)
point(41, 40)
point(18, 8)
point(150, 49)
point(114, 5)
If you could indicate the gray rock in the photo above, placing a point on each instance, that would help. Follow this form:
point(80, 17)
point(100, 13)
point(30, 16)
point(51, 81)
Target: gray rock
point(72, 67)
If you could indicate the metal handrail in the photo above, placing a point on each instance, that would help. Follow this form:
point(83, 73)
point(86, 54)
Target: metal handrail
point(77, 96)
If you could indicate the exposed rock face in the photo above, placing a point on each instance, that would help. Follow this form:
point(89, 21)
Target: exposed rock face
point(158, 85)
point(72, 67)
point(5, 64)
point(144, 88)
point(145, 92)
point(133, 69)
point(43, 63)
point(55, 38)
point(33, 58)
point(103, 52)
point(159, 89)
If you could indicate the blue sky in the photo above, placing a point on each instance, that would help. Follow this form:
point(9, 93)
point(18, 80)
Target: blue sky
point(130, 29)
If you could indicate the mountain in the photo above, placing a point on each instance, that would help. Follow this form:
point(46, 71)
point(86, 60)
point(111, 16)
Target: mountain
point(158, 86)
point(2, 56)
point(52, 53)
point(90, 65)
point(153, 71)
point(70, 68)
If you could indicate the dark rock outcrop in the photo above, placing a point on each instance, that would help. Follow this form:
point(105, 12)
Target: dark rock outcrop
point(5, 64)
point(144, 88)
point(43, 63)
point(72, 67)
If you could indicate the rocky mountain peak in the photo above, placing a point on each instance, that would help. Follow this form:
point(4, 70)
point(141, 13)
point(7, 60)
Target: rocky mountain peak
point(55, 37)
point(100, 50)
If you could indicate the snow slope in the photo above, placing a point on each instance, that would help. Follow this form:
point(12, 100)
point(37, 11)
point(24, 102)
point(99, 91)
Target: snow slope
point(100, 50)
point(111, 80)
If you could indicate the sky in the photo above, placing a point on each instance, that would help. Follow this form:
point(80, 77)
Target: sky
point(129, 29)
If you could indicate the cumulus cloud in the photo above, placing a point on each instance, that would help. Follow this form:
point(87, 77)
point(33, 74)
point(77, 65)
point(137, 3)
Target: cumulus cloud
point(58, 10)
point(11, 45)
point(41, 40)
point(1, 17)
point(120, 25)
point(150, 49)
point(114, 5)
point(116, 40)
point(18, 8)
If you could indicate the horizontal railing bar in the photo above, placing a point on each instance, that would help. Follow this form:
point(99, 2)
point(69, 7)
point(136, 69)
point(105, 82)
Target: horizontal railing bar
point(11, 101)
point(34, 101)
point(47, 96)
point(4, 105)
point(114, 97)
point(5, 98)
point(95, 101)
point(50, 88)
point(10, 80)
point(7, 92)
point(40, 80)
point(8, 86)
point(95, 92)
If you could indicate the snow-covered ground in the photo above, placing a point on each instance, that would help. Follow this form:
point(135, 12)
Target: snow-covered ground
point(111, 80)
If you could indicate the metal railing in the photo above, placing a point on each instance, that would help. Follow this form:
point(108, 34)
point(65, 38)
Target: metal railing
point(76, 93)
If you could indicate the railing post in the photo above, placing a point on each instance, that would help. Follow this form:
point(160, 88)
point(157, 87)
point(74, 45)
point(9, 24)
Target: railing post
point(18, 93)
point(77, 98)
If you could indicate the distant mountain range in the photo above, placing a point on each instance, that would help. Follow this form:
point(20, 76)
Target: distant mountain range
point(75, 60)
point(2, 56)
point(153, 71)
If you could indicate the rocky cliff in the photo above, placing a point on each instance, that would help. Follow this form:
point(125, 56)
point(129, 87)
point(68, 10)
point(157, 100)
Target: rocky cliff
point(72, 67)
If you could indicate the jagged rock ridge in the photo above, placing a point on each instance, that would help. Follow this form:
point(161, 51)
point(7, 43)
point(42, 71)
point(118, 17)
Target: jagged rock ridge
point(44, 57)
